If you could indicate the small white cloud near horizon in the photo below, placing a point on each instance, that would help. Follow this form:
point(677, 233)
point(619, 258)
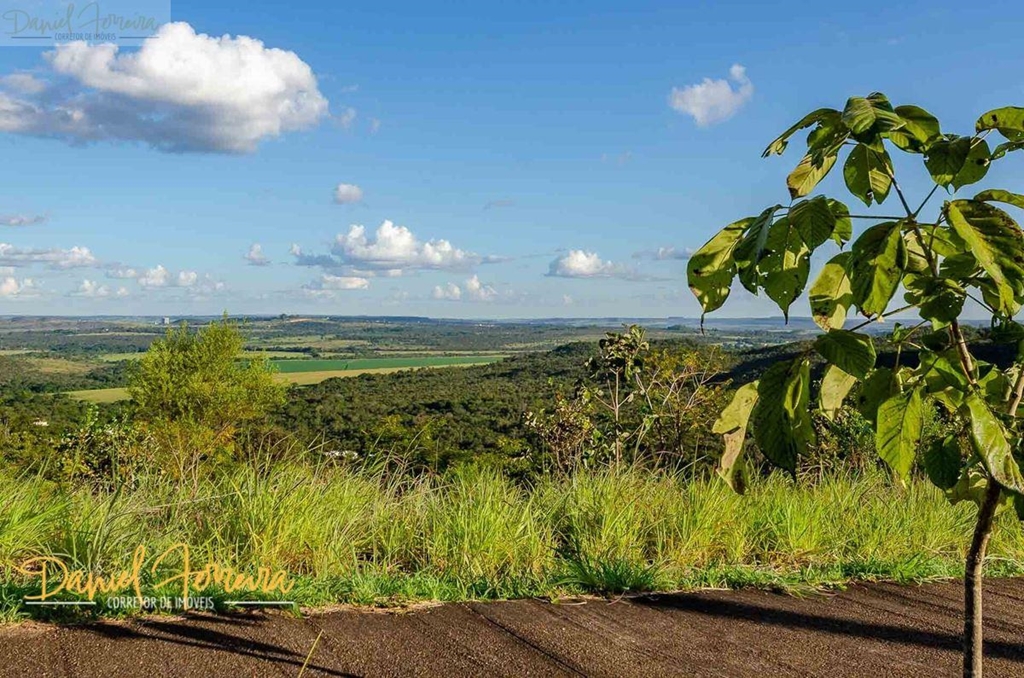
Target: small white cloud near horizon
point(255, 255)
point(326, 286)
point(583, 264)
point(12, 288)
point(665, 254)
point(90, 289)
point(713, 101)
point(195, 284)
point(347, 194)
point(59, 259)
point(471, 290)
point(343, 282)
point(22, 219)
point(449, 292)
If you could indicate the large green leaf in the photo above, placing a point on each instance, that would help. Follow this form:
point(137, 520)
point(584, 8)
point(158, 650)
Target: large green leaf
point(879, 258)
point(711, 269)
point(943, 378)
point(849, 351)
point(781, 418)
point(869, 116)
point(814, 219)
point(920, 129)
point(785, 265)
point(830, 295)
point(822, 116)
point(809, 172)
point(898, 431)
point(943, 461)
point(975, 166)
point(835, 386)
point(1009, 121)
point(917, 258)
point(868, 174)
point(945, 159)
point(989, 440)
point(736, 414)
point(997, 243)
point(732, 425)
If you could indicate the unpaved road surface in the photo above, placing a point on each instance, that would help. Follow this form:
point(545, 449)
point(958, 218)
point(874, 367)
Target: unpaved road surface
point(874, 630)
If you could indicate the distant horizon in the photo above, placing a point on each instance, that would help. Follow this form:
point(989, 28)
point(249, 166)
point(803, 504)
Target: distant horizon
point(694, 320)
point(492, 161)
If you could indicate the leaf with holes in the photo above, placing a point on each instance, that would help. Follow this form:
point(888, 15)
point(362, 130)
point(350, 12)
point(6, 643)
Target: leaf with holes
point(868, 174)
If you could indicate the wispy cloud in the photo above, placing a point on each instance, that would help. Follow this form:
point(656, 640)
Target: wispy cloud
point(22, 219)
point(665, 254)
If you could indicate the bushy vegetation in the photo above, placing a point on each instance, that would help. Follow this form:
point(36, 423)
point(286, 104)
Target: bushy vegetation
point(347, 534)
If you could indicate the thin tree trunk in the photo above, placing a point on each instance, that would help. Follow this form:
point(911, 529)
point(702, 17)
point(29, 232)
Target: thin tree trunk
point(973, 637)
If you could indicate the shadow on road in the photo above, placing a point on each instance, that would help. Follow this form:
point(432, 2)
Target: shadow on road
point(188, 634)
point(765, 615)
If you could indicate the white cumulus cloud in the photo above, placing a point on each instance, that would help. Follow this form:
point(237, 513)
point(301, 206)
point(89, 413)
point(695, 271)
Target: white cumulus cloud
point(11, 287)
point(255, 255)
point(396, 247)
point(93, 290)
point(471, 290)
point(181, 91)
point(346, 194)
point(583, 264)
point(389, 251)
point(154, 277)
point(447, 292)
point(713, 101)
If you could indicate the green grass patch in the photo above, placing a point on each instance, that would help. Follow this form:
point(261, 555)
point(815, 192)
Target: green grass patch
point(346, 535)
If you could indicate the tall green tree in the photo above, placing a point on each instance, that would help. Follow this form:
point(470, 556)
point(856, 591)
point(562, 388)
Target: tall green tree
point(939, 256)
point(201, 378)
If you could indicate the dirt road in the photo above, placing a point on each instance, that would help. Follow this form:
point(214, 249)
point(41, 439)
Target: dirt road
point(875, 630)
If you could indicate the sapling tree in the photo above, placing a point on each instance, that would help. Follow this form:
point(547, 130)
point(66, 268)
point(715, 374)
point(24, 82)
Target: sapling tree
point(966, 250)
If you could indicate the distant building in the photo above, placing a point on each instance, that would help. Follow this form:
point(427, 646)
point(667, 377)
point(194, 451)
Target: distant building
point(167, 321)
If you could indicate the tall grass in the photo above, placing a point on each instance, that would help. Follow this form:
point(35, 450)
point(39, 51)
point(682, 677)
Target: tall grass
point(347, 535)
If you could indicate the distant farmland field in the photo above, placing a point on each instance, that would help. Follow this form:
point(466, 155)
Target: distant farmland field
point(342, 364)
point(306, 372)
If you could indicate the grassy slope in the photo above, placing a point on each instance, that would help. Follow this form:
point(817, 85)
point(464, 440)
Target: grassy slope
point(356, 537)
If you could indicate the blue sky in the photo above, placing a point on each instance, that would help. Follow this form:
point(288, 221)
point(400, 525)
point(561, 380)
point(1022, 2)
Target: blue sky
point(538, 142)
